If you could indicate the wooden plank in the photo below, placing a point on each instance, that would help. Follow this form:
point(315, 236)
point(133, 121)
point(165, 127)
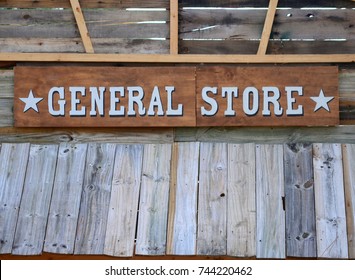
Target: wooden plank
point(13, 163)
point(6, 112)
point(80, 21)
point(144, 97)
point(212, 200)
point(65, 202)
point(95, 199)
point(241, 207)
point(174, 26)
point(122, 215)
point(182, 226)
point(244, 85)
point(269, 20)
point(299, 201)
point(6, 84)
point(270, 214)
point(35, 202)
point(154, 200)
point(329, 201)
point(349, 185)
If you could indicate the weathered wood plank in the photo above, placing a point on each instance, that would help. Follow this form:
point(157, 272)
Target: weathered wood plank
point(95, 199)
point(6, 112)
point(270, 214)
point(212, 200)
point(154, 199)
point(349, 185)
point(80, 135)
point(269, 21)
point(329, 201)
point(122, 215)
point(65, 202)
point(182, 227)
point(35, 202)
point(13, 163)
point(6, 83)
point(299, 201)
point(241, 210)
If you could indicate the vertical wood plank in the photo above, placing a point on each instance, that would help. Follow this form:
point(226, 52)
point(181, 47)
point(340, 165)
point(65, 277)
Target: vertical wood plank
point(270, 215)
point(122, 215)
point(95, 199)
point(349, 185)
point(13, 163)
point(299, 201)
point(182, 230)
point(329, 201)
point(241, 211)
point(212, 207)
point(35, 202)
point(65, 203)
point(174, 26)
point(154, 200)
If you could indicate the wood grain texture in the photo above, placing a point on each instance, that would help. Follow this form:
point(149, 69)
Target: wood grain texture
point(269, 20)
point(241, 206)
point(349, 186)
point(65, 202)
point(154, 200)
point(270, 214)
point(35, 201)
point(212, 200)
point(95, 199)
point(182, 226)
point(13, 164)
point(299, 201)
point(329, 201)
point(122, 214)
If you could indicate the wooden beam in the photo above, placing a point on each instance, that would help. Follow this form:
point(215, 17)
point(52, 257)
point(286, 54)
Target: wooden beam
point(80, 21)
point(269, 20)
point(174, 26)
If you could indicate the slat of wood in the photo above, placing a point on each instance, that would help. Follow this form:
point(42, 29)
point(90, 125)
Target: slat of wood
point(35, 202)
point(154, 200)
point(65, 202)
point(241, 217)
point(100, 23)
point(269, 20)
point(101, 45)
point(86, 4)
point(270, 214)
point(329, 201)
point(174, 26)
point(80, 21)
point(6, 112)
point(212, 200)
point(13, 163)
point(182, 226)
point(122, 215)
point(6, 84)
point(349, 185)
point(95, 199)
point(299, 201)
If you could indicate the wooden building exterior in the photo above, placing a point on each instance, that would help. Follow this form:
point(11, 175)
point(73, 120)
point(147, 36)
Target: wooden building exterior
point(262, 192)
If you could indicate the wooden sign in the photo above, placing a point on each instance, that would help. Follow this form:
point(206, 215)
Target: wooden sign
point(175, 96)
point(104, 96)
point(267, 96)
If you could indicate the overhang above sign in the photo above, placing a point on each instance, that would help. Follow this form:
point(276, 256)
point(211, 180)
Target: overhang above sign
point(175, 96)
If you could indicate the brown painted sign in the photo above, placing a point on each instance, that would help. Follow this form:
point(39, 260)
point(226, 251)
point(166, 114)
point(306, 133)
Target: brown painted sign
point(175, 96)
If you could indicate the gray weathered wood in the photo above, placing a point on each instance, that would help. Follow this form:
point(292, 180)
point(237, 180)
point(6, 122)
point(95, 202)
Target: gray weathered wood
point(212, 201)
point(329, 201)
point(6, 83)
point(299, 201)
point(6, 112)
point(241, 211)
point(270, 214)
point(154, 200)
point(182, 230)
point(95, 199)
point(13, 163)
point(349, 185)
point(35, 202)
point(122, 214)
point(65, 202)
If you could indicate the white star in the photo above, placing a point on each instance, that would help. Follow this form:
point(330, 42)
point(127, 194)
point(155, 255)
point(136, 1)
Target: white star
point(31, 102)
point(322, 101)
